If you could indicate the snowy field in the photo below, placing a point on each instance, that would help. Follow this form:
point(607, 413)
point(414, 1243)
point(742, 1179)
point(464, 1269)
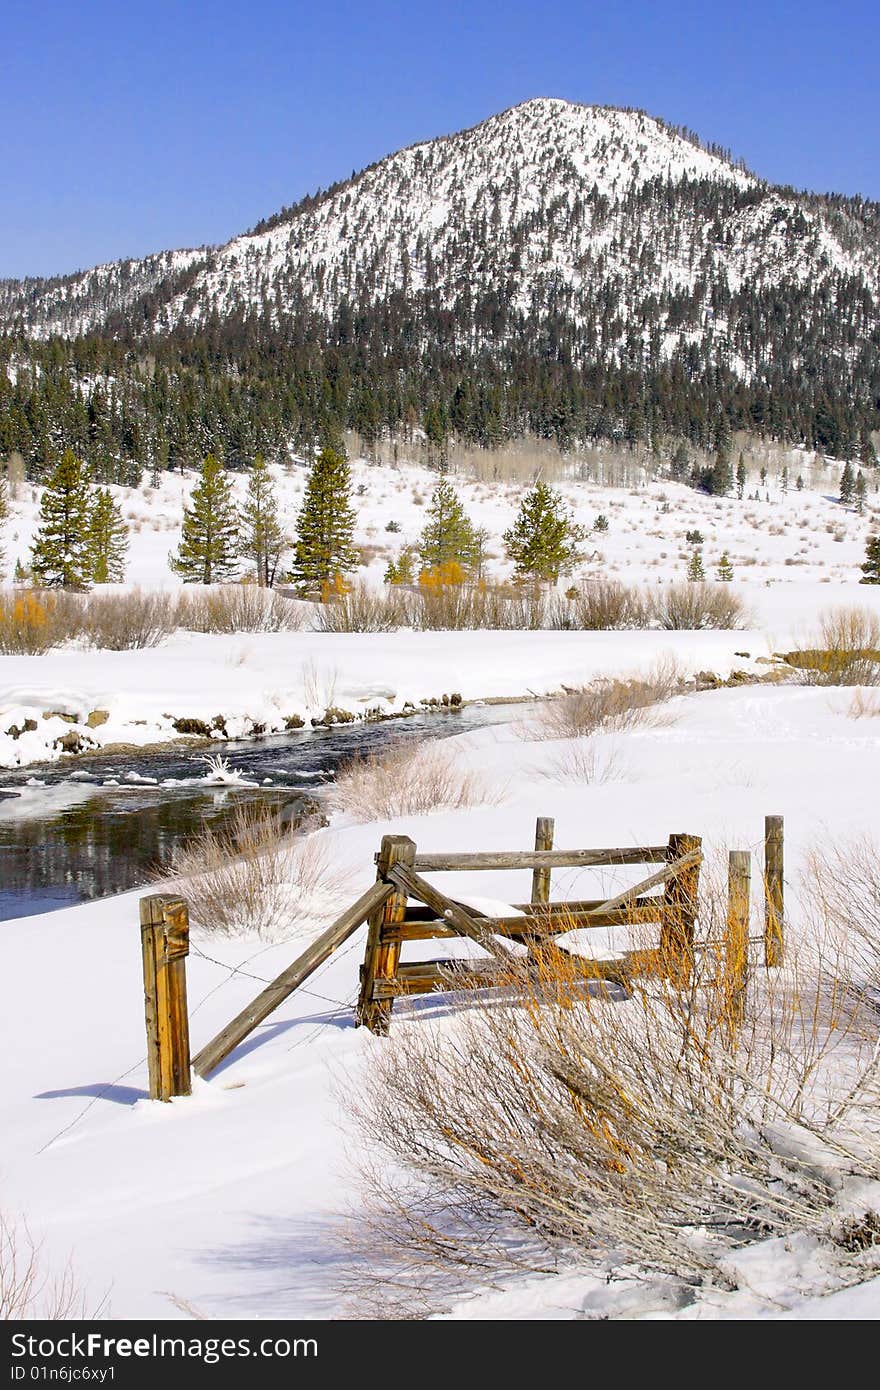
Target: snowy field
point(238, 1202)
point(793, 553)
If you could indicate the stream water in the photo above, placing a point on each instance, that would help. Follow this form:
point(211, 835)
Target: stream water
point(105, 825)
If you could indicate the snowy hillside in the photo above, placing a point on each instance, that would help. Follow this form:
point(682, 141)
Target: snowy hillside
point(548, 209)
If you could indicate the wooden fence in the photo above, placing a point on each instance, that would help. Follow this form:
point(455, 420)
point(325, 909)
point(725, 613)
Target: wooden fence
point(402, 906)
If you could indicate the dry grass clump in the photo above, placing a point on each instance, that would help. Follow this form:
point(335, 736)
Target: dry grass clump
point(844, 651)
point(610, 703)
point(655, 1124)
point(251, 877)
point(408, 781)
point(583, 760)
point(28, 1292)
point(238, 608)
point(695, 606)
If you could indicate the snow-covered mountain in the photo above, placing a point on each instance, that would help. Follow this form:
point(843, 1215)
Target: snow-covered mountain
point(628, 232)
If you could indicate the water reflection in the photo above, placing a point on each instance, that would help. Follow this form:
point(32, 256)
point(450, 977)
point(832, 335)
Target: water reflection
point(90, 831)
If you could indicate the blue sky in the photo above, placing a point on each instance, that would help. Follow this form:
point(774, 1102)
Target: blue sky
point(132, 127)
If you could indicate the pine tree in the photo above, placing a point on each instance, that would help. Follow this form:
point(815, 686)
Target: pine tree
point(60, 553)
point(847, 482)
point(721, 475)
point(871, 567)
point(207, 551)
point(695, 569)
point(400, 571)
point(108, 540)
point(263, 540)
point(799, 484)
point(725, 569)
point(784, 478)
point(543, 541)
point(325, 526)
point(740, 477)
point(448, 534)
point(860, 488)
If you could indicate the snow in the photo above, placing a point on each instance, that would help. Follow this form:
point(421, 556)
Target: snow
point(794, 553)
point(544, 153)
point(267, 1143)
point(260, 1171)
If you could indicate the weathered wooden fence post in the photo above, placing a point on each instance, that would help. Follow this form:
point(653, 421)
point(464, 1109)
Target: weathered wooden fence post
point(381, 958)
point(774, 901)
point(165, 946)
point(737, 953)
point(679, 912)
point(544, 827)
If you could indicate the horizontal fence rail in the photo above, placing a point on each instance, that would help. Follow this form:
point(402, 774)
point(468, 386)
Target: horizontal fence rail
point(402, 905)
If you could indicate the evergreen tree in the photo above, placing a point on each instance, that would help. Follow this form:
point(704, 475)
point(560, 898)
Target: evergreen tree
point(740, 476)
point(108, 540)
point(60, 555)
point(263, 540)
point(400, 571)
point(860, 488)
point(799, 484)
point(207, 551)
point(695, 569)
point(847, 482)
point(448, 535)
point(680, 465)
point(871, 567)
point(543, 541)
point(323, 546)
point(725, 569)
point(784, 478)
point(721, 476)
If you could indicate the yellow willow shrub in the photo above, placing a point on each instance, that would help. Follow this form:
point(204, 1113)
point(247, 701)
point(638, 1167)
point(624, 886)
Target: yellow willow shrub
point(26, 625)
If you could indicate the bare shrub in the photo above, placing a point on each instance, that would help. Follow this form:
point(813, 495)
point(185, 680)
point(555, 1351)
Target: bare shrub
point(238, 608)
point(408, 781)
point(610, 703)
point(129, 621)
point(863, 705)
point(844, 651)
point(694, 606)
point(251, 877)
point(583, 760)
point(842, 890)
point(28, 1292)
point(657, 1122)
point(362, 610)
point(467, 607)
point(606, 604)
